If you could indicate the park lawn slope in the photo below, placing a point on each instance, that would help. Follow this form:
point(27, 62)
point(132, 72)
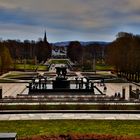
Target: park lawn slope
point(104, 67)
point(30, 67)
point(58, 127)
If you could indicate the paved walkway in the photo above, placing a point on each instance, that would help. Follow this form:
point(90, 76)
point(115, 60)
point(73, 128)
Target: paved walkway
point(63, 116)
point(12, 89)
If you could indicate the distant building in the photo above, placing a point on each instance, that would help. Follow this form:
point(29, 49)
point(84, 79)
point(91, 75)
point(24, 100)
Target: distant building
point(45, 41)
point(59, 52)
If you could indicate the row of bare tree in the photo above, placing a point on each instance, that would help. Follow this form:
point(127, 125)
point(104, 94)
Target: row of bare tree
point(77, 52)
point(5, 59)
point(28, 49)
point(85, 55)
point(11, 50)
point(124, 54)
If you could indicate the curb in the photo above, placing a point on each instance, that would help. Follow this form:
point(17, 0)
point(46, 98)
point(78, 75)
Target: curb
point(71, 111)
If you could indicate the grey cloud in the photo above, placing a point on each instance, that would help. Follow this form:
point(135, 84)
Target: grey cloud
point(75, 17)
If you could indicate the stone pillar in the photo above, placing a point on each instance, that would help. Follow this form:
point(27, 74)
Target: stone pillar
point(76, 82)
point(123, 93)
point(0, 92)
point(137, 93)
point(81, 82)
point(80, 85)
point(92, 85)
point(39, 83)
point(45, 82)
point(130, 91)
point(87, 84)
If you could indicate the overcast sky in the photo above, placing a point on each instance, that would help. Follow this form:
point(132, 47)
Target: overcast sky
point(83, 20)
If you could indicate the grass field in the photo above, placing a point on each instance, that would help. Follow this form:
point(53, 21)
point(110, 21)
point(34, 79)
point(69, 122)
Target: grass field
point(56, 127)
point(59, 61)
point(6, 81)
point(30, 67)
point(104, 67)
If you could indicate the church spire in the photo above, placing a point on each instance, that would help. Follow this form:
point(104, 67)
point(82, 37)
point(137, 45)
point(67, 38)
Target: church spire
point(45, 37)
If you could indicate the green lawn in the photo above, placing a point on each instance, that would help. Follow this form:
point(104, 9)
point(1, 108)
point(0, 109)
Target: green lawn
point(50, 127)
point(14, 74)
point(18, 75)
point(59, 61)
point(104, 67)
point(30, 67)
point(43, 68)
point(6, 81)
point(99, 67)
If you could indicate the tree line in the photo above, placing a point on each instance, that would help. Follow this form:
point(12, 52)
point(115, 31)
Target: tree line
point(124, 54)
point(13, 50)
point(84, 55)
point(5, 59)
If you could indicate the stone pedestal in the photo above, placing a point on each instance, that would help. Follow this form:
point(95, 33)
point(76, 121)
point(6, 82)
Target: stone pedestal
point(130, 91)
point(61, 84)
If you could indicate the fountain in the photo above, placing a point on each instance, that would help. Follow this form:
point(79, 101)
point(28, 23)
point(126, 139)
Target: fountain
point(62, 85)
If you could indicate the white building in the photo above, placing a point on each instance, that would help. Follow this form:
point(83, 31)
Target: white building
point(59, 52)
